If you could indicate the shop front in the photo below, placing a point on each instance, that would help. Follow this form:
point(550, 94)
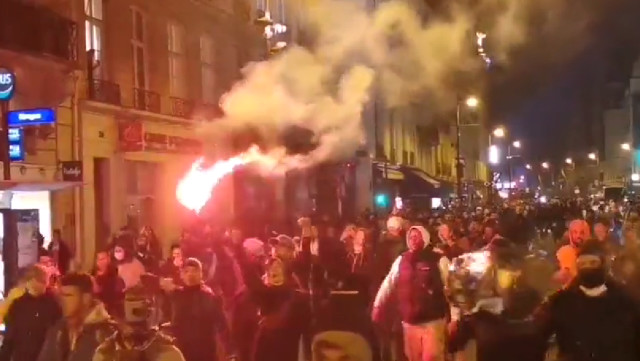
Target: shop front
point(132, 167)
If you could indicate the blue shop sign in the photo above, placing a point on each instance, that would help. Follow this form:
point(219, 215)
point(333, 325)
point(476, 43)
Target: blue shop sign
point(25, 118)
point(7, 84)
point(16, 144)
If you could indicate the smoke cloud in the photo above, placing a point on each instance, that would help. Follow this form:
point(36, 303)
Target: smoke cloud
point(406, 56)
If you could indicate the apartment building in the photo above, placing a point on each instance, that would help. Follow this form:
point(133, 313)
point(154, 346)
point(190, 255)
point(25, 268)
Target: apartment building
point(38, 59)
point(154, 72)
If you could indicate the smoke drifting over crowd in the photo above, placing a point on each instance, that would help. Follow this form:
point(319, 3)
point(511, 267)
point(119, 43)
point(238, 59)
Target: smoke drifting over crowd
point(406, 54)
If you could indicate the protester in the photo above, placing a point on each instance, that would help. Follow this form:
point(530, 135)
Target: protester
point(109, 287)
point(61, 252)
point(29, 318)
point(418, 277)
point(85, 324)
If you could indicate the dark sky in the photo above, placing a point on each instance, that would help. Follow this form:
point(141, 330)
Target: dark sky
point(538, 98)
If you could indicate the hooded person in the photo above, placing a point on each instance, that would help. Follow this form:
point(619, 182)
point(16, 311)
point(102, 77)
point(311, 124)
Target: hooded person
point(593, 318)
point(417, 279)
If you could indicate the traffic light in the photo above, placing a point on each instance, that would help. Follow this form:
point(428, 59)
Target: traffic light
point(382, 200)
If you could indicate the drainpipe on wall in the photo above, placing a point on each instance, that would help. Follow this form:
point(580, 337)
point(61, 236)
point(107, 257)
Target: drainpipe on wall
point(76, 153)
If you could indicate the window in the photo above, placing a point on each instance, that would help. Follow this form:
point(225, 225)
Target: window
point(176, 47)
point(139, 50)
point(93, 32)
point(207, 67)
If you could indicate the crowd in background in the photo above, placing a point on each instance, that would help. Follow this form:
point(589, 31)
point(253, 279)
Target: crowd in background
point(372, 289)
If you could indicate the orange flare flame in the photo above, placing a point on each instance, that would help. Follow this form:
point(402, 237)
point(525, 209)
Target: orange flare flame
point(194, 189)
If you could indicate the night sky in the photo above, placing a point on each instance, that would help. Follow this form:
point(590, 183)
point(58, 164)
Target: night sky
point(538, 98)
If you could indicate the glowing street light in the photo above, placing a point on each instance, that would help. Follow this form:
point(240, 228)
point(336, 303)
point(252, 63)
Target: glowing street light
point(625, 146)
point(528, 166)
point(472, 102)
point(517, 144)
point(592, 156)
point(499, 132)
point(545, 165)
point(568, 161)
point(494, 154)
point(635, 177)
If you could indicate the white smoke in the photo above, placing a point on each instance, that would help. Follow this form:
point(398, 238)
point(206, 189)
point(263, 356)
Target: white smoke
point(325, 87)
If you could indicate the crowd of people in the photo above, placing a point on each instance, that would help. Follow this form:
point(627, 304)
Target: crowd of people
point(374, 290)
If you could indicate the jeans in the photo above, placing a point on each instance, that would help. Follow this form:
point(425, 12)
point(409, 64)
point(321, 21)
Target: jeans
point(425, 342)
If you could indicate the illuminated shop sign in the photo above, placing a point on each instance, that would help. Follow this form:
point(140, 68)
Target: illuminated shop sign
point(16, 145)
point(24, 118)
point(7, 84)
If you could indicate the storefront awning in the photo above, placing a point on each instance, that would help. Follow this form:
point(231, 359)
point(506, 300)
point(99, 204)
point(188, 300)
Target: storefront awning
point(36, 186)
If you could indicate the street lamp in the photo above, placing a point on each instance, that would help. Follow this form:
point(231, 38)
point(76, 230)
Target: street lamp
point(545, 165)
point(625, 146)
point(528, 166)
point(499, 132)
point(472, 102)
point(568, 161)
point(517, 144)
point(592, 156)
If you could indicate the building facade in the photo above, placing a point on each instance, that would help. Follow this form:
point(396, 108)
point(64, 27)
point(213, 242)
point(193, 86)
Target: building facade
point(38, 46)
point(153, 73)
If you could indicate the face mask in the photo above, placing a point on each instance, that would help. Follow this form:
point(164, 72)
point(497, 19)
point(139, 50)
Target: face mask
point(591, 278)
point(118, 255)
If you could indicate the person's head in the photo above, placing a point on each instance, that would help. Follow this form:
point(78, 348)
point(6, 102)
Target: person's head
point(119, 253)
point(475, 227)
point(394, 225)
point(36, 280)
point(76, 295)
point(590, 264)
point(192, 272)
point(601, 230)
point(283, 247)
point(445, 233)
point(349, 232)
point(102, 261)
point(176, 256)
point(417, 238)
point(359, 240)
point(578, 232)
point(489, 232)
point(340, 346)
point(137, 310)
point(275, 275)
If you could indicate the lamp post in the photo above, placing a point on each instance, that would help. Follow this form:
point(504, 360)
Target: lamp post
point(471, 102)
point(516, 144)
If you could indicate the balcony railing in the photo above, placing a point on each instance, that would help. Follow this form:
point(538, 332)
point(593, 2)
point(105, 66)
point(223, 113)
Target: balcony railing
point(34, 29)
point(105, 92)
point(181, 107)
point(146, 100)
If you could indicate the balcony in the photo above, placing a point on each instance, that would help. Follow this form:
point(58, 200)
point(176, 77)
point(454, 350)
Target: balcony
point(182, 108)
point(146, 100)
point(105, 92)
point(34, 29)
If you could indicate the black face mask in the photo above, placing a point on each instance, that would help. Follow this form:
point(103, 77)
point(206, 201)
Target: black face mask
point(591, 278)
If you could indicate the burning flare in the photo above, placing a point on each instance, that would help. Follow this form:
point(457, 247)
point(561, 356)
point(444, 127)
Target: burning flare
point(194, 189)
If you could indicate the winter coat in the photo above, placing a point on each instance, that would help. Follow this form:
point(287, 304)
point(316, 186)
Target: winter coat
point(96, 328)
point(28, 321)
point(592, 328)
point(197, 318)
point(158, 348)
point(110, 290)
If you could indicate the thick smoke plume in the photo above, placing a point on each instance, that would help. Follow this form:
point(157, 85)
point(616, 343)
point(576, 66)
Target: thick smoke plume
point(404, 52)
